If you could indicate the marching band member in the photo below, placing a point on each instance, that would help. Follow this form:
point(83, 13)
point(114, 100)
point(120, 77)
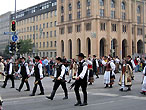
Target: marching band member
point(81, 80)
point(25, 73)
point(60, 79)
point(38, 73)
point(9, 73)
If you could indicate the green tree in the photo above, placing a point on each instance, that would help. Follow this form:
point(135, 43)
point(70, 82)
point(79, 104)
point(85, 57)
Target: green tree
point(25, 46)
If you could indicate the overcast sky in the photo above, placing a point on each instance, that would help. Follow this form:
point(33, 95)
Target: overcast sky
point(9, 5)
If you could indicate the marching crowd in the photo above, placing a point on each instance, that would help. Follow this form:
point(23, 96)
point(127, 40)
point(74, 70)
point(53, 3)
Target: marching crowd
point(82, 70)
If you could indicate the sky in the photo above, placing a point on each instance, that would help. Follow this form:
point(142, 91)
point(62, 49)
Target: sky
point(9, 5)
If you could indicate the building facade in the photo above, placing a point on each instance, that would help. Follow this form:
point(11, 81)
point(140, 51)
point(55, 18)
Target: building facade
point(38, 23)
point(5, 25)
point(100, 27)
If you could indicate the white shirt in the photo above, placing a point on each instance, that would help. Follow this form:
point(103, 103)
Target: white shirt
point(83, 73)
point(117, 60)
point(40, 70)
point(27, 69)
point(10, 68)
point(62, 71)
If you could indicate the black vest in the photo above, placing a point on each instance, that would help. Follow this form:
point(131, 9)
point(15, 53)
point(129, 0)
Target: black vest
point(80, 69)
point(36, 71)
point(58, 68)
point(129, 62)
point(23, 70)
point(94, 64)
point(8, 68)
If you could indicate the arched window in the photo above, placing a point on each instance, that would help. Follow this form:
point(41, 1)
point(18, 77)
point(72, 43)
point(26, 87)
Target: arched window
point(123, 6)
point(78, 5)
point(101, 2)
point(112, 3)
point(62, 9)
point(138, 10)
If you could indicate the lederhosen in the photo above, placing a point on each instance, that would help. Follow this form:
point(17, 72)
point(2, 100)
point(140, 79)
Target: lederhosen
point(24, 75)
point(81, 83)
point(9, 76)
point(37, 79)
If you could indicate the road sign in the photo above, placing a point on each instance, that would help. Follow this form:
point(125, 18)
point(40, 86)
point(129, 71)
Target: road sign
point(14, 38)
point(8, 33)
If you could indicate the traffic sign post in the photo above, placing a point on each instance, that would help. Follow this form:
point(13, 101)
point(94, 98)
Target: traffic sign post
point(14, 38)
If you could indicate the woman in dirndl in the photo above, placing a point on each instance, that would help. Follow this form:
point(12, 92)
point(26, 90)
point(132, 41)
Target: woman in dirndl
point(144, 82)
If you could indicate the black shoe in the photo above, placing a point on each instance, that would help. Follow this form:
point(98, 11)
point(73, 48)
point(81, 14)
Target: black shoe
point(90, 84)
point(66, 97)
point(121, 89)
point(111, 86)
point(49, 98)
point(32, 95)
point(27, 90)
point(129, 89)
point(97, 77)
point(84, 104)
point(106, 86)
point(78, 104)
point(3, 87)
point(18, 90)
point(12, 87)
point(41, 94)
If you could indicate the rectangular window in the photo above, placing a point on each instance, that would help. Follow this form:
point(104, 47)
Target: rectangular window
point(88, 13)
point(51, 24)
point(43, 25)
point(78, 28)
point(138, 19)
point(47, 34)
point(55, 33)
point(62, 18)
point(61, 31)
point(78, 15)
point(70, 29)
point(50, 33)
point(102, 26)
point(123, 16)
point(47, 25)
point(40, 45)
point(102, 12)
point(43, 44)
point(70, 17)
point(114, 27)
point(112, 14)
point(43, 34)
point(51, 44)
point(55, 23)
point(88, 27)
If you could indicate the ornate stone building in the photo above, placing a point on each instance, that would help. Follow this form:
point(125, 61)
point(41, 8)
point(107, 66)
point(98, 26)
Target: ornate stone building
point(100, 27)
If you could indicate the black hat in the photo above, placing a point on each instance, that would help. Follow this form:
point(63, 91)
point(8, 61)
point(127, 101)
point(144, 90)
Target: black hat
point(37, 57)
point(81, 55)
point(94, 55)
point(59, 59)
point(129, 56)
point(23, 58)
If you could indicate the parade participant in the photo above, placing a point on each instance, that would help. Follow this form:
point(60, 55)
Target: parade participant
point(81, 80)
point(109, 74)
point(144, 82)
point(90, 71)
point(25, 73)
point(117, 62)
point(2, 77)
point(1, 101)
point(95, 66)
point(132, 64)
point(9, 74)
point(125, 78)
point(38, 73)
point(60, 79)
point(70, 71)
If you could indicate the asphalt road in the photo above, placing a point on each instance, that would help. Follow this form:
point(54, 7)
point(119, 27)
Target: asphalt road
point(99, 98)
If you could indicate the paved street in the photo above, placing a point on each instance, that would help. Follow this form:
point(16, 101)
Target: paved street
point(99, 98)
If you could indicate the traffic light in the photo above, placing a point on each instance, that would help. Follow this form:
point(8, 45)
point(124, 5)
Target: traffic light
point(13, 26)
point(12, 47)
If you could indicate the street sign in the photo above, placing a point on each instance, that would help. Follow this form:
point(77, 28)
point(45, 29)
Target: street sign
point(14, 38)
point(8, 33)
